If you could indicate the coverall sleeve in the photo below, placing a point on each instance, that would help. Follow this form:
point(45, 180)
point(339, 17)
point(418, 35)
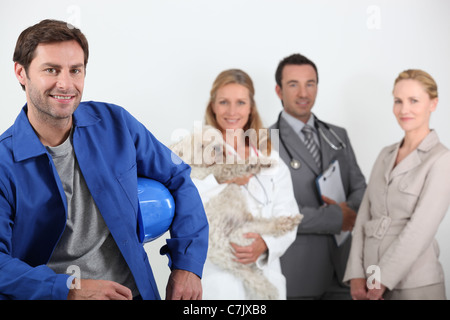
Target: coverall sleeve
point(188, 243)
point(18, 280)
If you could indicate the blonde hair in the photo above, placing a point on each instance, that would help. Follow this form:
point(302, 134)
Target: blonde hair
point(423, 77)
point(254, 120)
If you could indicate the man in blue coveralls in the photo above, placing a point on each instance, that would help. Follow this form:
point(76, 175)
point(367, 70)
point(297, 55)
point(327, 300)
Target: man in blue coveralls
point(68, 187)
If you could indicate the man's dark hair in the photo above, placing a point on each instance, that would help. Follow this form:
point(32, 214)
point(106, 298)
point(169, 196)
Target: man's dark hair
point(295, 59)
point(46, 31)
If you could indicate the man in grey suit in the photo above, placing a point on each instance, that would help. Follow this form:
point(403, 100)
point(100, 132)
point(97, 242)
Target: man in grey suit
point(314, 264)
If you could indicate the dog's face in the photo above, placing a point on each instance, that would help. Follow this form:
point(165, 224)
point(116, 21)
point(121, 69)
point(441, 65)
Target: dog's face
point(204, 147)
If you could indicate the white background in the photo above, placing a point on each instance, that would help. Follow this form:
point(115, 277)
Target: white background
point(158, 59)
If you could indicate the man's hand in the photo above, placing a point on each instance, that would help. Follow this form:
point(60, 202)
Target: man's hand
point(100, 290)
point(250, 253)
point(183, 285)
point(348, 214)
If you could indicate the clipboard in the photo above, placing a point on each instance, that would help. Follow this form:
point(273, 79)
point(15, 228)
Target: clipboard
point(329, 184)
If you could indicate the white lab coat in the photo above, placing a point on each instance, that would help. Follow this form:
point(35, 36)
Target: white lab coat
point(278, 200)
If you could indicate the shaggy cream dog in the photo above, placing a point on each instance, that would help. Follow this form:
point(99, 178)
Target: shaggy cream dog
point(228, 216)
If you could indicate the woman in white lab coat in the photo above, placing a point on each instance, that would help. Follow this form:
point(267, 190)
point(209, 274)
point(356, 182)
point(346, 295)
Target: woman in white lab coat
point(268, 194)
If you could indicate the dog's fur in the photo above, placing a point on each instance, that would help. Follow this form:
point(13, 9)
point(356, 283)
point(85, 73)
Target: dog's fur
point(228, 216)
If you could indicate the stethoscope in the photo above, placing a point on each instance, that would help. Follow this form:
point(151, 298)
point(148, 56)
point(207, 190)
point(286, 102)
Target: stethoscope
point(296, 164)
point(266, 197)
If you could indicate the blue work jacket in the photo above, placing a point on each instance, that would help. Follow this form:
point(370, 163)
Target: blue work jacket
point(112, 149)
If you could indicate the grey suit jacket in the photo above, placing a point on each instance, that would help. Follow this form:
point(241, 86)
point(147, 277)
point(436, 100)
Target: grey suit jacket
point(313, 258)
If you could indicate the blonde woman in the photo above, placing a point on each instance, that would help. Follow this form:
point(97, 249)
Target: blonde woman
point(232, 109)
point(406, 199)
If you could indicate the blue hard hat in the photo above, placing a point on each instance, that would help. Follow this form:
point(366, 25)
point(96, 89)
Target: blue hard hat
point(157, 208)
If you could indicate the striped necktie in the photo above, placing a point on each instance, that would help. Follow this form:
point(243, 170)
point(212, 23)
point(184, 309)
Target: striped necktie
point(311, 145)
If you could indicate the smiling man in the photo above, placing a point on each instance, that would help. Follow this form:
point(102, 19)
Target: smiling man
point(315, 263)
point(53, 82)
point(68, 187)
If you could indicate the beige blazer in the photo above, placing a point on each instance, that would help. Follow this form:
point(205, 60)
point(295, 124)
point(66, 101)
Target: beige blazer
point(399, 216)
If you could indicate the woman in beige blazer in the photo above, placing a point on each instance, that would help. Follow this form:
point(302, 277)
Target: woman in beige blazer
point(394, 254)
